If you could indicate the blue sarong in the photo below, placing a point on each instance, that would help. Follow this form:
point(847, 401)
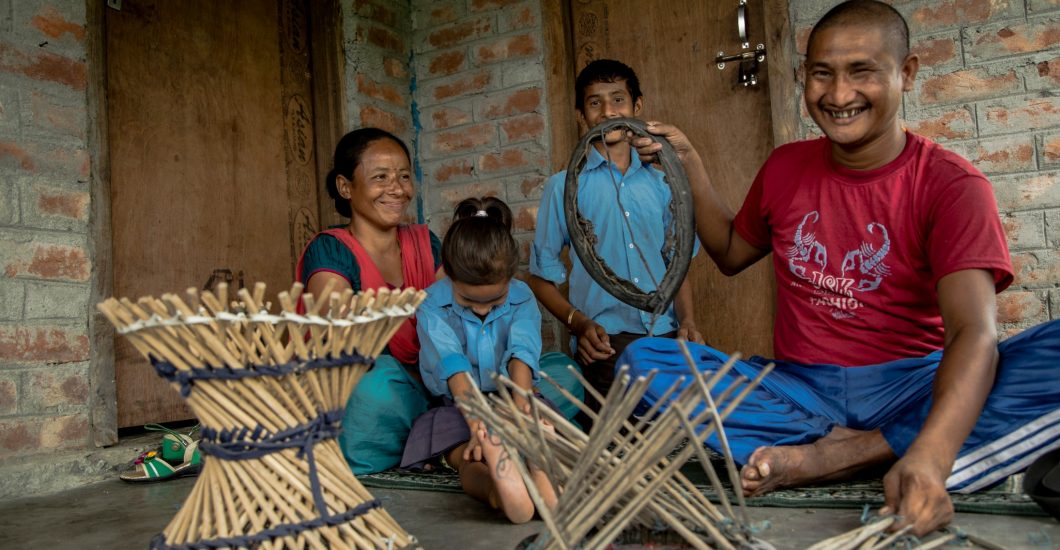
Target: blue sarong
point(797, 404)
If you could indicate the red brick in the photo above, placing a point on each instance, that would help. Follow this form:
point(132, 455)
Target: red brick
point(52, 116)
point(802, 39)
point(1027, 191)
point(949, 124)
point(1019, 115)
point(936, 52)
point(1051, 149)
point(1015, 306)
point(468, 85)
point(480, 5)
point(67, 204)
point(1038, 268)
point(379, 118)
point(512, 47)
point(453, 170)
point(448, 196)
point(53, 388)
point(949, 13)
point(1047, 73)
point(525, 218)
point(394, 68)
point(44, 65)
point(518, 102)
point(20, 155)
point(443, 14)
point(511, 160)
point(384, 92)
point(465, 138)
point(19, 436)
point(52, 24)
point(993, 42)
point(967, 85)
point(447, 63)
point(524, 17)
point(1024, 230)
point(385, 38)
point(460, 33)
point(376, 12)
point(530, 187)
point(523, 128)
point(53, 261)
point(42, 344)
point(1009, 154)
point(8, 393)
point(446, 117)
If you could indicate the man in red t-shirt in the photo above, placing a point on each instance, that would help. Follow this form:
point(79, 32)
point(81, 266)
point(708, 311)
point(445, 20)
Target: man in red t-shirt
point(887, 249)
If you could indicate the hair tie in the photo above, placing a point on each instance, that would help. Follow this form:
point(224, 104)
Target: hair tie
point(481, 214)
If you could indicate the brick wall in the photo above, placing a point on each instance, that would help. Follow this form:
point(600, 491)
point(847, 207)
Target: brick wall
point(989, 89)
point(481, 111)
point(45, 266)
point(376, 43)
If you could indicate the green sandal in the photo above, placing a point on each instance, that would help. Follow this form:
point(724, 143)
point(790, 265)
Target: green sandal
point(174, 443)
point(151, 466)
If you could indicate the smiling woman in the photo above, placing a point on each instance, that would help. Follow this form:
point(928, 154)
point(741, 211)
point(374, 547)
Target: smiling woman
point(371, 182)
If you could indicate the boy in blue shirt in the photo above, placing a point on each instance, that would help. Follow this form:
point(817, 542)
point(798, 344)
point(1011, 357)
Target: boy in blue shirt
point(600, 325)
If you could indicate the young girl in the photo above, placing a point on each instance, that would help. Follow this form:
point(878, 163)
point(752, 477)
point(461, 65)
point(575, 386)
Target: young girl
point(476, 322)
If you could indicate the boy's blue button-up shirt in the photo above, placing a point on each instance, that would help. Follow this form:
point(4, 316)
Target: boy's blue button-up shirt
point(453, 339)
point(645, 200)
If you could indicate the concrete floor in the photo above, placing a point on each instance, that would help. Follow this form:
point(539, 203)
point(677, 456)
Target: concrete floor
point(117, 515)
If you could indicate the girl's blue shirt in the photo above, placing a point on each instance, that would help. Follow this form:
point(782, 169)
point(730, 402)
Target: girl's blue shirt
point(453, 339)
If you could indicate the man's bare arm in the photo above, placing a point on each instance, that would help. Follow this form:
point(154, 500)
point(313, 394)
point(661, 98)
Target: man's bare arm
point(915, 486)
point(730, 252)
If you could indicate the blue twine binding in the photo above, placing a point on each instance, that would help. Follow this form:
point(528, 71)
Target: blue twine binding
point(247, 443)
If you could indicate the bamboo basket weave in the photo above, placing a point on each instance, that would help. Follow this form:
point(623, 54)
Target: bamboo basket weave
point(270, 390)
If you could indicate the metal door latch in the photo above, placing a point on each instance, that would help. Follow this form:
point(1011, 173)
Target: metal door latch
point(748, 70)
point(748, 59)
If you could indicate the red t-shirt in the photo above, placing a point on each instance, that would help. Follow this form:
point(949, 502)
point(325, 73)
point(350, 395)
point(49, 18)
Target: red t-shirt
point(858, 253)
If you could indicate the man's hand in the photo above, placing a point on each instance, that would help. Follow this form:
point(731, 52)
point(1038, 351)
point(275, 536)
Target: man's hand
point(915, 490)
point(690, 332)
point(473, 451)
point(647, 148)
point(593, 342)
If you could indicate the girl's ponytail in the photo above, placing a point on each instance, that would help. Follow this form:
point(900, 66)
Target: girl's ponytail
point(478, 248)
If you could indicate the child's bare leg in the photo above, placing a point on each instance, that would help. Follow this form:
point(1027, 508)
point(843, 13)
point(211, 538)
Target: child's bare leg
point(508, 486)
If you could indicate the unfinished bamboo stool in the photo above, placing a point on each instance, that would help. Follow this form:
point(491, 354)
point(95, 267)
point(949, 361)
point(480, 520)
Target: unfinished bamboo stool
point(270, 391)
point(621, 476)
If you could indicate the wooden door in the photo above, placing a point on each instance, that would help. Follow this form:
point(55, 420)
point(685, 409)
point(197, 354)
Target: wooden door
point(211, 154)
point(671, 45)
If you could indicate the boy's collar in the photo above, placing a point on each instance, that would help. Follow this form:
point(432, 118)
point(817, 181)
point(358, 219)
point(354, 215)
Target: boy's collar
point(595, 159)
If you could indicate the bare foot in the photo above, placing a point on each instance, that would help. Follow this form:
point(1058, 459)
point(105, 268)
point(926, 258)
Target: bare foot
point(544, 487)
point(509, 491)
point(838, 455)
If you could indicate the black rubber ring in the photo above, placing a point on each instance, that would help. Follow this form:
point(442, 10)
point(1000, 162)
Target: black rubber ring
point(583, 237)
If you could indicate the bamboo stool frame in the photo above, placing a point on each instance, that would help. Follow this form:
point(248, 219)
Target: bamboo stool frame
point(620, 474)
point(270, 391)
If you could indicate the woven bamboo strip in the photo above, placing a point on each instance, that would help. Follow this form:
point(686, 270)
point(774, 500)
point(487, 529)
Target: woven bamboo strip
point(200, 332)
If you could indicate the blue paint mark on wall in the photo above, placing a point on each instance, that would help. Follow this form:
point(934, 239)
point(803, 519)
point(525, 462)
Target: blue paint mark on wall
point(417, 129)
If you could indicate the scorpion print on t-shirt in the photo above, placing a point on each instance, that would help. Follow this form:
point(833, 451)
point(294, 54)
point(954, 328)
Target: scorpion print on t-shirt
point(862, 269)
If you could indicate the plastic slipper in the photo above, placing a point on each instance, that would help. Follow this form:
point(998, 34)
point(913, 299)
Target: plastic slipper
point(174, 443)
point(152, 467)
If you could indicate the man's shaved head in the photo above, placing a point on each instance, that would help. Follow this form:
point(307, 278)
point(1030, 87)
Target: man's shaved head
point(860, 13)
